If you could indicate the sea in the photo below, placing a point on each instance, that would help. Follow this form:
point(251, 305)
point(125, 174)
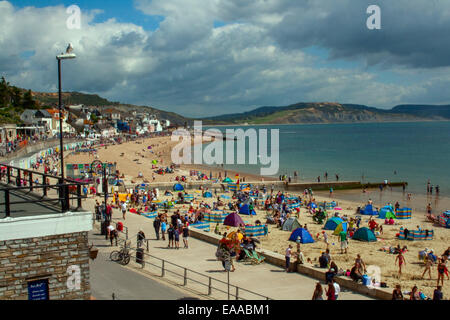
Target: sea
point(415, 152)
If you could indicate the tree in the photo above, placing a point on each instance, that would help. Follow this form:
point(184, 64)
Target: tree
point(28, 101)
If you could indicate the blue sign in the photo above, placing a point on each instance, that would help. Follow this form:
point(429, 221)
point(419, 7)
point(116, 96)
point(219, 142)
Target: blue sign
point(38, 290)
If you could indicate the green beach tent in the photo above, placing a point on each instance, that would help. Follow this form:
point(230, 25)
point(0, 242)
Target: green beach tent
point(291, 224)
point(390, 215)
point(364, 234)
point(227, 180)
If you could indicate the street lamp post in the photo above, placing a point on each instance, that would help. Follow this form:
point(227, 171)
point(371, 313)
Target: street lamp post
point(62, 56)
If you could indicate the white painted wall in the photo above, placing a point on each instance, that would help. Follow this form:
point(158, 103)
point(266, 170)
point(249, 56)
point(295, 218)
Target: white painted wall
point(45, 225)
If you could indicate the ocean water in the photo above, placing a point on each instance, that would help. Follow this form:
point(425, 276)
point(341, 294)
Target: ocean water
point(370, 152)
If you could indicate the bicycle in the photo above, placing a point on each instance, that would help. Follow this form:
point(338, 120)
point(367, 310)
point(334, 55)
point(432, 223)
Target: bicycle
point(122, 256)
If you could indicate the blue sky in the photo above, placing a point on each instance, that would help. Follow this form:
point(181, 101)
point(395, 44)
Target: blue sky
point(202, 57)
point(122, 10)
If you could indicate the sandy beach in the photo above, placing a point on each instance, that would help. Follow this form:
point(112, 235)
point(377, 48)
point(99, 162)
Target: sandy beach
point(135, 157)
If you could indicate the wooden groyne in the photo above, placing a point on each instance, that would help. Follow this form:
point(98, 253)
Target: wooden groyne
point(278, 185)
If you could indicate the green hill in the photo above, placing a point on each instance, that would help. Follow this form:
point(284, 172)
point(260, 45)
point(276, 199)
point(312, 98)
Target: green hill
point(327, 112)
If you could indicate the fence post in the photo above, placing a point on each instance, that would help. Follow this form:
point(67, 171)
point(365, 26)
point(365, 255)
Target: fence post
point(30, 175)
point(147, 244)
point(7, 207)
point(79, 197)
point(8, 171)
point(185, 277)
point(126, 233)
point(209, 287)
point(19, 178)
point(44, 183)
point(237, 293)
point(162, 269)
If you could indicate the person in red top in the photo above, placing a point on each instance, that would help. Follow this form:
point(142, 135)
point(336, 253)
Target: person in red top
point(330, 292)
point(372, 224)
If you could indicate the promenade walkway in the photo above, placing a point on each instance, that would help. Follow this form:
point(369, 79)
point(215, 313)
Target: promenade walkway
point(265, 279)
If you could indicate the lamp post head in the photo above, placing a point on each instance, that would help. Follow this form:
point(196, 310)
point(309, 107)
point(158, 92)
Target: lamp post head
point(68, 55)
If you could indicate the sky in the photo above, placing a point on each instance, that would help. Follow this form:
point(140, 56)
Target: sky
point(211, 57)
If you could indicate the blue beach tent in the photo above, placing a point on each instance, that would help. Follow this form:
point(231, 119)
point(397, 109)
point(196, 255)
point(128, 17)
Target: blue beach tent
point(207, 194)
point(246, 210)
point(305, 236)
point(178, 187)
point(368, 210)
point(332, 223)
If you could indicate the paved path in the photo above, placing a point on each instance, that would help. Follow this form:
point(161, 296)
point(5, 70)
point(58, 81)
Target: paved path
point(264, 279)
point(108, 277)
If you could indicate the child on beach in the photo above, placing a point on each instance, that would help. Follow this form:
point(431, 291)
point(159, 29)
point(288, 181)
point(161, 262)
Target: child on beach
point(428, 265)
point(171, 234)
point(176, 234)
point(401, 261)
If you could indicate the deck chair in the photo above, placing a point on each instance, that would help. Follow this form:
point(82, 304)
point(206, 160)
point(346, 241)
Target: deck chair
point(253, 257)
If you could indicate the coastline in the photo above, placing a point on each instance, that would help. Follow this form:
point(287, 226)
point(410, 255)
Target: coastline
point(137, 158)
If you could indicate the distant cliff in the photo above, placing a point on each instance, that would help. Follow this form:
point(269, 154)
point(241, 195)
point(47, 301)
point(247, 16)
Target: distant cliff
point(330, 112)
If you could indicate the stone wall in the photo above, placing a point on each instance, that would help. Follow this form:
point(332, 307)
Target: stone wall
point(46, 257)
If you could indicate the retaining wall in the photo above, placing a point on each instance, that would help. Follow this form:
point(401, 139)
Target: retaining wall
point(306, 269)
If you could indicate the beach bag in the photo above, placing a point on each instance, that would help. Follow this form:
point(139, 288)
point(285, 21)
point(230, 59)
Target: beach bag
point(366, 280)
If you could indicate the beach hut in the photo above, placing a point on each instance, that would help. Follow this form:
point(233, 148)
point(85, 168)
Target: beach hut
point(245, 209)
point(341, 227)
point(364, 234)
point(303, 234)
point(404, 213)
point(291, 224)
point(233, 220)
point(232, 187)
point(332, 223)
point(368, 210)
point(178, 187)
point(207, 194)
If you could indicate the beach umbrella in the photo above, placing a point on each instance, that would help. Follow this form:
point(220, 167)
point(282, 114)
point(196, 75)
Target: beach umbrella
point(231, 235)
point(155, 161)
point(149, 147)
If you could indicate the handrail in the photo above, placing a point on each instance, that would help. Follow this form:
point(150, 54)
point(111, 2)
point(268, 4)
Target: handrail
point(185, 277)
point(26, 182)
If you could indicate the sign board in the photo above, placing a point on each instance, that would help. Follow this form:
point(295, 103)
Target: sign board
point(38, 290)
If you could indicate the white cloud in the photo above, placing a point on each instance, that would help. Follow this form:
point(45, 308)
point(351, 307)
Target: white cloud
point(187, 66)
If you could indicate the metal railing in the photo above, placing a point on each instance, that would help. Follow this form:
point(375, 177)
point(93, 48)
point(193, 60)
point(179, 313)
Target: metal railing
point(23, 181)
point(208, 282)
